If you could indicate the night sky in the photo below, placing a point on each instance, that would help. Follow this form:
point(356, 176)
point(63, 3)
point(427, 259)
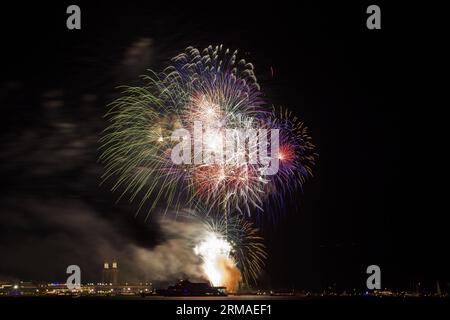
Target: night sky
point(361, 93)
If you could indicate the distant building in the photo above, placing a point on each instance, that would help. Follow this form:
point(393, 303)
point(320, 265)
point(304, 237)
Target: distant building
point(109, 286)
point(115, 273)
point(110, 275)
point(21, 288)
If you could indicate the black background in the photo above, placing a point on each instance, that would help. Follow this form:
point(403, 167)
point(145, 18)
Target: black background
point(363, 93)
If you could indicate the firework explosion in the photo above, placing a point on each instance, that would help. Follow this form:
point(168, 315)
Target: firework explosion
point(215, 96)
point(217, 262)
point(230, 243)
point(215, 89)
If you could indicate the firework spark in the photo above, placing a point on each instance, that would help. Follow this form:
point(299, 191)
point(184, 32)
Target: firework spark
point(214, 88)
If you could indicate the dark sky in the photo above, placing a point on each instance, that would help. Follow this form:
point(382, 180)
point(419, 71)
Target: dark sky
point(359, 91)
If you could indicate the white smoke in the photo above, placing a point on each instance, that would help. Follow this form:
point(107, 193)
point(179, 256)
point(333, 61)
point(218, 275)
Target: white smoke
point(55, 234)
